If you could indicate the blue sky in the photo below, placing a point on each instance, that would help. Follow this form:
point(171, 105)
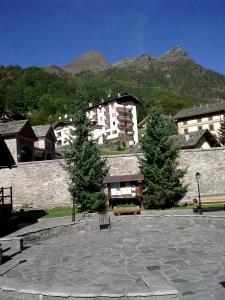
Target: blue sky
point(44, 32)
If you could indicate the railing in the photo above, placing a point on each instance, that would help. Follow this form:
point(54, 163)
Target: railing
point(124, 110)
point(125, 118)
point(5, 204)
point(4, 196)
point(126, 126)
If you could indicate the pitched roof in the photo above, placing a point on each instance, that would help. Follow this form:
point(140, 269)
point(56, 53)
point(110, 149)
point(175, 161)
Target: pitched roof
point(120, 99)
point(61, 123)
point(190, 140)
point(216, 107)
point(6, 159)
point(41, 130)
point(123, 178)
point(186, 141)
point(12, 127)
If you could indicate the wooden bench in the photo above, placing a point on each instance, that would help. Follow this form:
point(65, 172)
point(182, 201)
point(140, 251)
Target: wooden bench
point(104, 221)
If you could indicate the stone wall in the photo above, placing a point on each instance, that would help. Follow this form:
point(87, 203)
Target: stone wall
point(45, 183)
point(210, 163)
point(38, 184)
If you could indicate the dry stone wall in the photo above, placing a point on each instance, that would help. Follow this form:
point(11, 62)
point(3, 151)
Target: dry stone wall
point(45, 183)
point(38, 184)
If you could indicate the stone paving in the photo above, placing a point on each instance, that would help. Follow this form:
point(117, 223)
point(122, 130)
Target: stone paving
point(147, 257)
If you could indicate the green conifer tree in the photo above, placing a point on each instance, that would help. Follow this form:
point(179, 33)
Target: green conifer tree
point(86, 168)
point(221, 131)
point(162, 185)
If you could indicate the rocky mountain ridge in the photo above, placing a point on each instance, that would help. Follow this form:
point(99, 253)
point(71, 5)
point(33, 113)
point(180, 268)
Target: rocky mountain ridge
point(94, 61)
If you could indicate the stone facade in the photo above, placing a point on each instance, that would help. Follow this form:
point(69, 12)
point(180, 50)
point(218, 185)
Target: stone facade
point(45, 183)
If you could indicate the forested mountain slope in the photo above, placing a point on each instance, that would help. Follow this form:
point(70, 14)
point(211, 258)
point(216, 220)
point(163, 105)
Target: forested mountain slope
point(170, 82)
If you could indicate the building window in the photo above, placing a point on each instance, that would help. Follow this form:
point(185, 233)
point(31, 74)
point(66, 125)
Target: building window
point(199, 120)
point(59, 143)
point(185, 122)
point(199, 127)
point(114, 132)
point(210, 118)
point(59, 134)
point(211, 127)
point(114, 123)
point(107, 133)
point(185, 130)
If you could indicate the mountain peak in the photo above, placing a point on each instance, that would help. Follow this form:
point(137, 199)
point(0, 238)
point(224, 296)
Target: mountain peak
point(142, 62)
point(177, 50)
point(91, 61)
point(174, 54)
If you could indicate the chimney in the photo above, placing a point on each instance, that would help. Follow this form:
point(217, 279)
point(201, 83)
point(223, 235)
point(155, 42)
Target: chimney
point(89, 104)
point(187, 137)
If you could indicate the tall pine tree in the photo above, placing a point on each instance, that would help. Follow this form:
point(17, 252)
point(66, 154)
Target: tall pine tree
point(162, 185)
point(221, 131)
point(86, 168)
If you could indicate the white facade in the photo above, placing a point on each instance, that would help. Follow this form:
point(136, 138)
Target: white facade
point(118, 120)
point(196, 123)
point(63, 134)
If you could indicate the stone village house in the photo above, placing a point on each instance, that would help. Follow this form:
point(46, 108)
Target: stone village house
point(6, 162)
point(20, 138)
point(45, 143)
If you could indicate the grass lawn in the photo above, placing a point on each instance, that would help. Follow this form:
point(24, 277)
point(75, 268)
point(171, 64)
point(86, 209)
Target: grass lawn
point(29, 216)
point(58, 212)
point(112, 152)
point(206, 207)
point(34, 215)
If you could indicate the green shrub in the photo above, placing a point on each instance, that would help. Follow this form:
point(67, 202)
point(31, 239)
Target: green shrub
point(94, 201)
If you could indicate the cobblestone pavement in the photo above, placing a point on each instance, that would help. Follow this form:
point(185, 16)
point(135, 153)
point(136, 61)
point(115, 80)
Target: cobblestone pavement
point(179, 257)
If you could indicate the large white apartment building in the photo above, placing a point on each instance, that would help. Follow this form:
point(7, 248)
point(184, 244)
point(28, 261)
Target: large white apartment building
point(118, 118)
point(114, 119)
point(207, 116)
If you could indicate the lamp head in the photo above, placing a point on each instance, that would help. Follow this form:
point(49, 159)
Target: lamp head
point(198, 175)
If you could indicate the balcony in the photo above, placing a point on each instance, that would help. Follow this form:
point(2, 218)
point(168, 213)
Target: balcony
point(124, 110)
point(106, 112)
point(124, 118)
point(125, 126)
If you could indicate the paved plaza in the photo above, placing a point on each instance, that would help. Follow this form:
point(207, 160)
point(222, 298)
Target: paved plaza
point(140, 257)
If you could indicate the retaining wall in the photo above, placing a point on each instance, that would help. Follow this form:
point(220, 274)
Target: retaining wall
point(45, 183)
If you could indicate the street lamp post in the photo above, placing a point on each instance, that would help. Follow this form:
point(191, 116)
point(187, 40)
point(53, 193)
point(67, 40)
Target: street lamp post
point(198, 176)
point(73, 211)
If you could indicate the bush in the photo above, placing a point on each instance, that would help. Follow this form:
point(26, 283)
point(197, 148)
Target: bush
point(94, 202)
